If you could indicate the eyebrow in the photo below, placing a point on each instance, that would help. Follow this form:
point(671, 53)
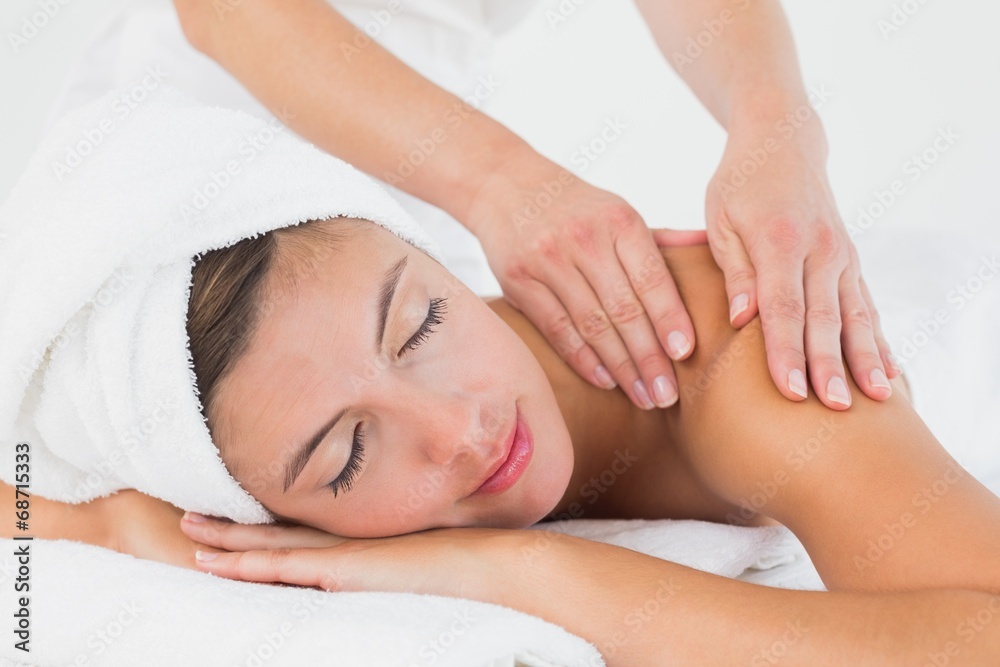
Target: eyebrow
point(389, 282)
point(298, 461)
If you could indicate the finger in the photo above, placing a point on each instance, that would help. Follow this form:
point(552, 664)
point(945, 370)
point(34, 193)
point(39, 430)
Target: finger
point(823, 326)
point(302, 567)
point(598, 331)
point(652, 283)
point(782, 318)
point(740, 276)
point(240, 537)
point(858, 337)
point(889, 361)
point(615, 320)
point(540, 305)
point(597, 328)
point(666, 237)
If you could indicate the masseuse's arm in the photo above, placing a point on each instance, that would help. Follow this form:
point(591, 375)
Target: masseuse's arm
point(578, 261)
point(772, 221)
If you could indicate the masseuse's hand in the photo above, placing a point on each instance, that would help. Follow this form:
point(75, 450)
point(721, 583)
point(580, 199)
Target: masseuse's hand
point(432, 561)
point(582, 265)
point(774, 230)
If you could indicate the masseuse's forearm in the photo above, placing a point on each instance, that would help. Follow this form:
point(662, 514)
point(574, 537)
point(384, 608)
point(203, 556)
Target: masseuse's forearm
point(352, 98)
point(737, 56)
point(640, 610)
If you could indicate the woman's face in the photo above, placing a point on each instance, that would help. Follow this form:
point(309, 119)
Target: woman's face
point(433, 404)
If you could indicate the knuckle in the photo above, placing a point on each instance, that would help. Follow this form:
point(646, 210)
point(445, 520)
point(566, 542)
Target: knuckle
point(567, 340)
point(546, 246)
point(859, 316)
point(650, 277)
point(826, 243)
point(583, 235)
point(621, 217)
point(595, 325)
point(824, 359)
point(824, 315)
point(740, 275)
point(625, 309)
point(783, 234)
point(868, 360)
point(783, 307)
point(671, 316)
point(654, 362)
point(625, 369)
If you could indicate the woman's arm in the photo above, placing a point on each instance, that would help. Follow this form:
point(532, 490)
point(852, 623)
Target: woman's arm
point(636, 609)
point(127, 521)
point(52, 520)
point(876, 500)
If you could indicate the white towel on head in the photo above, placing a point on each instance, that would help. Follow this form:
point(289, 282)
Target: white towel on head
point(97, 242)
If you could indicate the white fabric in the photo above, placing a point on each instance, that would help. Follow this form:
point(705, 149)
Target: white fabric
point(181, 617)
point(450, 42)
point(95, 273)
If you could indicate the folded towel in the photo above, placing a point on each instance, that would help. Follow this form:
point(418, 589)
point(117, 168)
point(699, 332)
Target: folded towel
point(91, 606)
point(99, 237)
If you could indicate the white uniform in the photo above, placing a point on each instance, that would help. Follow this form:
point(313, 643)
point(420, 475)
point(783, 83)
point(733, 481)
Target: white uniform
point(448, 41)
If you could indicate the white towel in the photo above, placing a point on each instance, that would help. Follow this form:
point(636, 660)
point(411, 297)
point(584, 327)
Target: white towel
point(97, 243)
point(83, 596)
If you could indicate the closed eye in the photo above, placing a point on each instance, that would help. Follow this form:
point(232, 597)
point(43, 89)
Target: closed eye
point(434, 316)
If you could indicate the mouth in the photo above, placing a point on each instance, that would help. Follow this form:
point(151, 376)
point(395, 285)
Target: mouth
point(517, 453)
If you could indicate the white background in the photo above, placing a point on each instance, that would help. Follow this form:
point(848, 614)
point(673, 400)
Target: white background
point(561, 83)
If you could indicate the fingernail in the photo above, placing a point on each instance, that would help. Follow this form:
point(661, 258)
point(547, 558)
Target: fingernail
point(797, 382)
point(664, 392)
point(678, 344)
point(878, 379)
point(894, 362)
point(642, 395)
point(836, 391)
point(205, 556)
point(604, 377)
point(740, 303)
point(193, 517)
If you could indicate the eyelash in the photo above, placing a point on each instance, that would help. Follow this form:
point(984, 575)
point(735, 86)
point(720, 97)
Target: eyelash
point(353, 467)
point(434, 316)
point(343, 482)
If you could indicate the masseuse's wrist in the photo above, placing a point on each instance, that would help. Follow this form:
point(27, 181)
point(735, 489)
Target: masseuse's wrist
point(517, 172)
point(774, 118)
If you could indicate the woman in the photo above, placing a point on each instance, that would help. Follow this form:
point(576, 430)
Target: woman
point(282, 332)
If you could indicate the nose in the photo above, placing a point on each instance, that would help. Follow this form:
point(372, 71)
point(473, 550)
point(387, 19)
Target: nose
point(445, 427)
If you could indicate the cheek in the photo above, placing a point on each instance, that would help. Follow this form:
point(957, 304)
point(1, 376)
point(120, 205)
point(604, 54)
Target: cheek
point(386, 514)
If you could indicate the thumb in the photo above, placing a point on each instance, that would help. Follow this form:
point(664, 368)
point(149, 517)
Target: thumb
point(679, 237)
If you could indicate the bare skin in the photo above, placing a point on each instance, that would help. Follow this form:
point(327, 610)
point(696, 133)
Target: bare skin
point(840, 489)
point(904, 539)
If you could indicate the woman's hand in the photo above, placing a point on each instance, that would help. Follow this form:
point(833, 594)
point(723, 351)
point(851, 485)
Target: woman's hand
point(774, 230)
point(146, 527)
point(582, 265)
point(460, 562)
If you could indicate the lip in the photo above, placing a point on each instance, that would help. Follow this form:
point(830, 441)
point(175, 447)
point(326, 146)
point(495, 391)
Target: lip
point(517, 455)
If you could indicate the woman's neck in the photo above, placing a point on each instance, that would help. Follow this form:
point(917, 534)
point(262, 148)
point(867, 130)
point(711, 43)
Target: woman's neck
point(609, 434)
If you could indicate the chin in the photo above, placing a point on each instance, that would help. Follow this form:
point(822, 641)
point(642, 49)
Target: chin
point(546, 483)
